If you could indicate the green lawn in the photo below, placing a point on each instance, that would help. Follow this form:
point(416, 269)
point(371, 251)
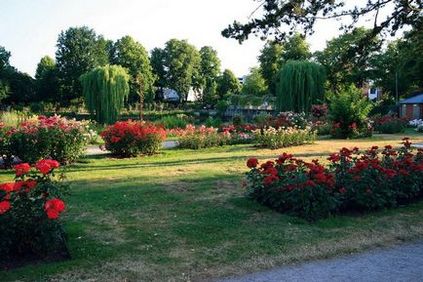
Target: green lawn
point(181, 215)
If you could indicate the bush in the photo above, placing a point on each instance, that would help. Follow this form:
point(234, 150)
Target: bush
point(348, 113)
point(279, 138)
point(131, 138)
point(53, 137)
point(175, 121)
point(286, 120)
point(5, 153)
point(200, 137)
point(319, 111)
point(389, 124)
point(242, 134)
point(352, 182)
point(30, 208)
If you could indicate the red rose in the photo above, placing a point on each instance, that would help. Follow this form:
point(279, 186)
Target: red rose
point(30, 183)
point(54, 207)
point(46, 166)
point(252, 163)
point(8, 187)
point(22, 169)
point(4, 206)
point(268, 180)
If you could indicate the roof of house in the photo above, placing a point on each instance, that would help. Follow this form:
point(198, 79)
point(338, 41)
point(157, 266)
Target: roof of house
point(417, 99)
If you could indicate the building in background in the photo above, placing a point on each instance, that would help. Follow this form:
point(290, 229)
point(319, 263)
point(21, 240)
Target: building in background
point(412, 108)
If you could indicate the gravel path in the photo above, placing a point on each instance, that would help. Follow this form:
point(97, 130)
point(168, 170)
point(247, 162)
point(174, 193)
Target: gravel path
point(400, 263)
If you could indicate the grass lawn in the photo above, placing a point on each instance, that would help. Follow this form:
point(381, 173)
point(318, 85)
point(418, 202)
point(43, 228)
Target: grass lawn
point(181, 215)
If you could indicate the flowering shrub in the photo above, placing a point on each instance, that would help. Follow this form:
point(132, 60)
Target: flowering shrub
point(131, 138)
point(348, 111)
point(389, 124)
point(319, 111)
point(283, 137)
point(48, 137)
point(192, 137)
point(30, 208)
point(241, 134)
point(418, 124)
point(352, 182)
point(287, 119)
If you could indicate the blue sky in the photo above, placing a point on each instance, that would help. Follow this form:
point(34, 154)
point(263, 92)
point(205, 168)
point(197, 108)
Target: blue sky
point(29, 28)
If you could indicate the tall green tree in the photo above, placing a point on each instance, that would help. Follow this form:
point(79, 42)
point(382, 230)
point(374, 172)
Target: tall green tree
point(254, 84)
point(105, 90)
point(158, 62)
point(130, 54)
point(296, 48)
point(4, 66)
point(209, 73)
point(79, 49)
point(228, 84)
point(343, 65)
point(181, 64)
point(301, 84)
point(271, 61)
point(46, 80)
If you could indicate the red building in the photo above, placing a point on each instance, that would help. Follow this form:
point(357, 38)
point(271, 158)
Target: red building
point(412, 108)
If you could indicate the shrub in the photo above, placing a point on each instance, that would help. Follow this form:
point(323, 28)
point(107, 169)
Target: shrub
point(242, 134)
point(389, 124)
point(352, 181)
point(287, 119)
point(175, 121)
point(5, 153)
point(348, 112)
point(30, 208)
point(279, 138)
point(200, 137)
point(319, 111)
point(131, 138)
point(322, 127)
point(48, 137)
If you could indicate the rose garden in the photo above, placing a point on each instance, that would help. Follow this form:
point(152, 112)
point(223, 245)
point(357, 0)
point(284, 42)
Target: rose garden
point(109, 171)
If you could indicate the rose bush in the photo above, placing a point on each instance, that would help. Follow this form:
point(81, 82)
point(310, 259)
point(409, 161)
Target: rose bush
point(283, 137)
point(30, 208)
point(353, 181)
point(192, 137)
point(48, 137)
point(131, 138)
point(389, 124)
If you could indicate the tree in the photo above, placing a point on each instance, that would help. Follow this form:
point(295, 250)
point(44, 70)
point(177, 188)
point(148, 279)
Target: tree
point(343, 65)
point(281, 18)
point(4, 65)
point(4, 58)
point(158, 61)
point(181, 67)
point(254, 84)
point(301, 84)
point(46, 80)
point(105, 90)
point(79, 50)
point(271, 61)
point(209, 73)
point(130, 54)
point(228, 84)
point(296, 48)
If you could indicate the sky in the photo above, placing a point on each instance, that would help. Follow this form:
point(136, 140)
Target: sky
point(29, 28)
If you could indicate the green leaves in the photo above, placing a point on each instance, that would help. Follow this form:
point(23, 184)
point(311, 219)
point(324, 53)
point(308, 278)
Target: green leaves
point(105, 90)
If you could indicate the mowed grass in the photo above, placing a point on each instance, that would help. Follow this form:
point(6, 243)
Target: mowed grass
point(182, 215)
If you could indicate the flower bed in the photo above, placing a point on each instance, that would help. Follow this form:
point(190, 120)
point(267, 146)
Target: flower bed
point(418, 124)
point(192, 137)
point(131, 138)
point(389, 124)
point(352, 182)
point(283, 137)
point(30, 208)
point(47, 137)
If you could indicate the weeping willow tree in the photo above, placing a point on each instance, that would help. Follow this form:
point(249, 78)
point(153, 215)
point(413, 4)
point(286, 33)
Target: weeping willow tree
point(300, 84)
point(105, 90)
